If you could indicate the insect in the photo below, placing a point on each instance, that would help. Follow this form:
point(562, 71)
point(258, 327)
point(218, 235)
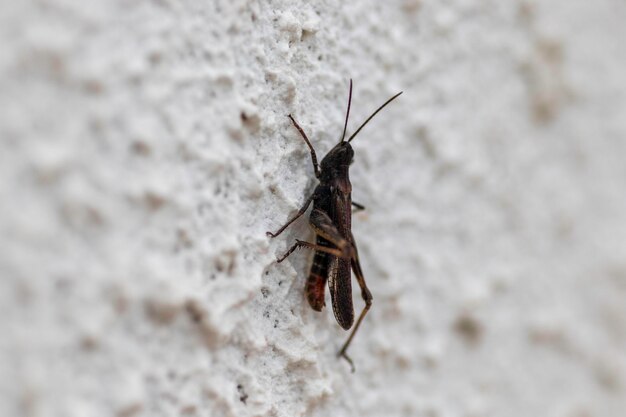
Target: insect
point(331, 219)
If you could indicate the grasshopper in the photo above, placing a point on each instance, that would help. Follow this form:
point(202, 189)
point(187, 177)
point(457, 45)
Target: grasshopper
point(331, 220)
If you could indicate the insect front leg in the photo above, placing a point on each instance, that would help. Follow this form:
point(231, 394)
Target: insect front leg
point(316, 167)
point(302, 210)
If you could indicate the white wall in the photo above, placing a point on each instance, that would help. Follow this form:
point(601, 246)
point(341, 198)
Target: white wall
point(145, 152)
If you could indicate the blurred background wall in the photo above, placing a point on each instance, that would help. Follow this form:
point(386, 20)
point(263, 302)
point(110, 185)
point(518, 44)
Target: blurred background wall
point(145, 151)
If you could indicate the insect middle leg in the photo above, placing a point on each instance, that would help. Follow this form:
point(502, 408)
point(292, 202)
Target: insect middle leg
point(302, 210)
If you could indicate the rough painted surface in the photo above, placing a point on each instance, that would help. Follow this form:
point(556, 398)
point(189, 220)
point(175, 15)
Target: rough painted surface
point(145, 152)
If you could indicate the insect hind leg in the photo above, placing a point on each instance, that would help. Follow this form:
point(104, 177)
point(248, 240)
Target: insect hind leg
point(302, 210)
point(308, 245)
point(357, 206)
point(368, 304)
point(367, 298)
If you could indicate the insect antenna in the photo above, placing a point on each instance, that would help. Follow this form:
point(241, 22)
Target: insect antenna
point(373, 114)
point(345, 125)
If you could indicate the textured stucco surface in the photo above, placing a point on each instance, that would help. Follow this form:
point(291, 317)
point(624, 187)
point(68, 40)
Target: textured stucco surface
point(145, 151)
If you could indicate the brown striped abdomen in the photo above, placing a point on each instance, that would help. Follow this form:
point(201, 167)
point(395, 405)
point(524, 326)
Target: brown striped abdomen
point(316, 282)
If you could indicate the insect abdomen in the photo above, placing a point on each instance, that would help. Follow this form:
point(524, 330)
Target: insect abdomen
point(316, 282)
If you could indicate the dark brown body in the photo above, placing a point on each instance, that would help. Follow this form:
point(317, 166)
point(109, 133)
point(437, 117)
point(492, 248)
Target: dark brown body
point(334, 197)
point(336, 254)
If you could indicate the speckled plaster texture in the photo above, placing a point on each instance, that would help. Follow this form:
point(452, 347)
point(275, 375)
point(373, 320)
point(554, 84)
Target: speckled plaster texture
point(145, 151)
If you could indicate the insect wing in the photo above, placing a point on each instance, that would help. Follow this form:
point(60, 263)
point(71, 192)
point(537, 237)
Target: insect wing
point(340, 286)
point(339, 273)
